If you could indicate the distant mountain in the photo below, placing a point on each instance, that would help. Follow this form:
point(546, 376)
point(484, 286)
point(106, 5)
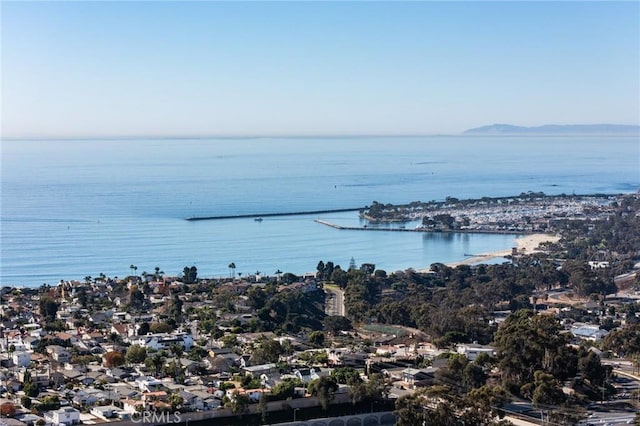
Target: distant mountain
point(557, 129)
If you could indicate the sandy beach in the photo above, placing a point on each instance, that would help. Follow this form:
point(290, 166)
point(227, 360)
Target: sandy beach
point(526, 245)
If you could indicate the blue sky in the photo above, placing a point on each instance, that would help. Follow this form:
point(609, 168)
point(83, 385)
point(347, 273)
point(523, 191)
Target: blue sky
point(306, 68)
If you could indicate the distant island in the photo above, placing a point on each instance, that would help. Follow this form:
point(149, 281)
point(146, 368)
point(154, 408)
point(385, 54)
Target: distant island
point(557, 129)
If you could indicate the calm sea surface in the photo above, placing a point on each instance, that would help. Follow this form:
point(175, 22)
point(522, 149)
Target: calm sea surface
point(74, 208)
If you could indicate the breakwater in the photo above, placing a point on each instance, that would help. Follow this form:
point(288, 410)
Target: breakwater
point(457, 231)
point(261, 215)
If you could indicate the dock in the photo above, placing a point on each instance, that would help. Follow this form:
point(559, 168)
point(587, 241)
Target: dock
point(262, 215)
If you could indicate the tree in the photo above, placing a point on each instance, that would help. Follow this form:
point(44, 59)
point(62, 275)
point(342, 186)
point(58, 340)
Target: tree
point(232, 270)
point(135, 354)
point(592, 369)
point(435, 407)
point(335, 324)
point(321, 271)
point(48, 308)
point(26, 402)
point(526, 343)
point(324, 388)
point(267, 351)
point(176, 401)
point(7, 409)
point(30, 389)
point(625, 341)
point(545, 390)
point(160, 327)
point(177, 349)
point(346, 375)
point(144, 329)
point(239, 403)
point(174, 309)
point(158, 273)
point(189, 274)
point(50, 402)
point(316, 338)
point(285, 389)
point(156, 361)
point(373, 390)
point(114, 359)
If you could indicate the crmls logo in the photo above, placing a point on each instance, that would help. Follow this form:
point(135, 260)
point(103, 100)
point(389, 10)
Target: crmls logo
point(153, 417)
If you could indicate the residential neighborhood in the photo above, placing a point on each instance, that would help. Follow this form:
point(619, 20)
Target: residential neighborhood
point(550, 333)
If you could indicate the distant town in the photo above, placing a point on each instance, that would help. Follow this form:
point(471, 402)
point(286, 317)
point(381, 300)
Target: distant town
point(551, 336)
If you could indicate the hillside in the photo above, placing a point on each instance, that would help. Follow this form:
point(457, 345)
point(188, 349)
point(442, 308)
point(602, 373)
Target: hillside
point(557, 129)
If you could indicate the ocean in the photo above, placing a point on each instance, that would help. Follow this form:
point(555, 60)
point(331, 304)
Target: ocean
point(76, 208)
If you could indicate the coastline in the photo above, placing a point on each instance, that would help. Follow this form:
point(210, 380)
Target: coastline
point(526, 245)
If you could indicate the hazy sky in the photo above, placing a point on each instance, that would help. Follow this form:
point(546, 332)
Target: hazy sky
point(221, 68)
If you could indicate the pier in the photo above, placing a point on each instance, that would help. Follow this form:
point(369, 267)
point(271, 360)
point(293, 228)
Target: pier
point(260, 215)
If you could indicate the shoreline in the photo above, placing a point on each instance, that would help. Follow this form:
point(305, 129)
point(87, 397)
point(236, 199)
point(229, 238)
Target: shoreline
point(526, 245)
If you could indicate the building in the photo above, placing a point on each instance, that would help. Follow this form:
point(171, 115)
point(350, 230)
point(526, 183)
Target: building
point(21, 359)
point(164, 341)
point(592, 333)
point(63, 416)
point(471, 351)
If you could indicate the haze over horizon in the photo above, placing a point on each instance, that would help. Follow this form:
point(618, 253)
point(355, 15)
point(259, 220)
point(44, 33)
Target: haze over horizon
point(74, 69)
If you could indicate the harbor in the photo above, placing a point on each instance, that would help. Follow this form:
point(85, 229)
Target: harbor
point(421, 229)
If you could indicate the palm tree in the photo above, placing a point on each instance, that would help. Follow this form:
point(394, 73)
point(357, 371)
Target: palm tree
point(133, 268)
point(232, 269)
point(279, 274)
point(158, 273)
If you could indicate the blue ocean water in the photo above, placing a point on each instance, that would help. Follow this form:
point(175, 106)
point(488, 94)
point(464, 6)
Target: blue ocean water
point(72, 208)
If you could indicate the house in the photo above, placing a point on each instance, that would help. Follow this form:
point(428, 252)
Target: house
point(59, 353)
point(472, 351)
point(63, 416)
point(21, 359)
point(83, 398)
point(258, 370)
point(163, 341)
point(154, 396)
point(220, 363)
point(11, 422)
point(412, 376)
point(586, 332)
point(246, 338)
point(148, 384)
point(209, 401)
point(30, 419)
point(105, 411)
point(307, 375)
point(133, 406)
point(191, 401)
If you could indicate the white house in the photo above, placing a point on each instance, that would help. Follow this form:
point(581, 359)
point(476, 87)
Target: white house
point(106, 411)
point(21, 359)
point(65, 415)
point(471, 351)
point(164, 341)
point(148, 384)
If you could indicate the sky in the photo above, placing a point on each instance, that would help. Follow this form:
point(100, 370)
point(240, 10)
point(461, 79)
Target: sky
point(163, 68)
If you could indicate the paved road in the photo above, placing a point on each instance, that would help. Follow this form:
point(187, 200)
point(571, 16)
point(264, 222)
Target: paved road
point(335, 302)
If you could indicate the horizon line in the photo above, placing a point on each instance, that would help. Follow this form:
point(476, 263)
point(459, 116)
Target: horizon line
point(465, 132)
